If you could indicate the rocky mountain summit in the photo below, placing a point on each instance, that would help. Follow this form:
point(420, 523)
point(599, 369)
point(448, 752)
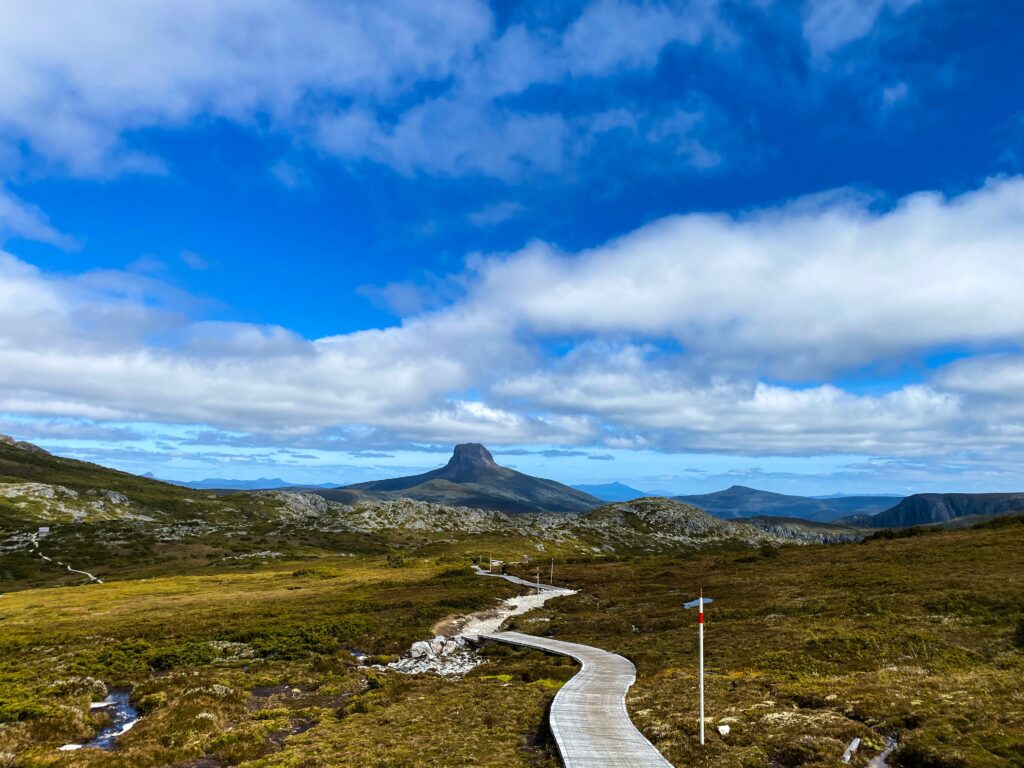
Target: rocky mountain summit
point(472, 478)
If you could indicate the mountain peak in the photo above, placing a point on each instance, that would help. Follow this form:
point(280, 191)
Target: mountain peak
point(472, 478)
point(470, 455)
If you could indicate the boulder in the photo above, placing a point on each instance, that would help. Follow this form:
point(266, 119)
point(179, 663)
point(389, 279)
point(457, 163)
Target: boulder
point(419, 649)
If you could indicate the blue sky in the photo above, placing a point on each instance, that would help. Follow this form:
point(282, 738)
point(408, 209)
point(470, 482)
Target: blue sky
point(679, 245)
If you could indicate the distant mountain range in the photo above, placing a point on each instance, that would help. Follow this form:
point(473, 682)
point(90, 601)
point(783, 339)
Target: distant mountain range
point(613, 492)
point(471, 478)
point(223, 484)
point(741, 502)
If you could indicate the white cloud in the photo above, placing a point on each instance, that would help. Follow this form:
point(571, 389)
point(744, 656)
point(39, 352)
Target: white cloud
point(994, 377)
point(806, 290)
point(77, 76)
point(451, 136)
point(667, 409)
point(496, 214)
point(682, 336)
point(20, 219)
point(829, 25)
point(610, 34)
point(79, 79)
point(194, 260)
point(894, 94)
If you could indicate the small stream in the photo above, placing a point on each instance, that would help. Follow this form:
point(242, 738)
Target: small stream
point(123, 718)
point(879, 760)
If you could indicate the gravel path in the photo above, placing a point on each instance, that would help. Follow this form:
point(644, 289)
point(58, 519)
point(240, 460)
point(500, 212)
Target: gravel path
point(35, 549)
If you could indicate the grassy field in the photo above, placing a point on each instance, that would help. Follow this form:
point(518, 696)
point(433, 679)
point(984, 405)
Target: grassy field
point(255, 669)
point(918, 638)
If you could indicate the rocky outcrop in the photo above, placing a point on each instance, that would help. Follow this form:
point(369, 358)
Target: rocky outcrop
point(55, 503)
point(931, 508)
point(448, 656)
point(30, 447)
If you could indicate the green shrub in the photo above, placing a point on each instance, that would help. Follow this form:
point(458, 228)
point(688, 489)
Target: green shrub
point(187, 655)
point(902, 533)
point(316, 573)
point(917, 756)
point(152, 701)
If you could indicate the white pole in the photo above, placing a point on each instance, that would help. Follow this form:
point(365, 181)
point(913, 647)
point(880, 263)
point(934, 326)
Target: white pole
point(538, 581)
point(700, 635)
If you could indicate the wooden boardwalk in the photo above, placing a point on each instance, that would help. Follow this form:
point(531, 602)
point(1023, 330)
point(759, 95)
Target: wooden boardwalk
point(588, 716)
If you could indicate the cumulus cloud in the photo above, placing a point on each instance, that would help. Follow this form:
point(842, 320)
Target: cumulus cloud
point(700, 332)
point(805, 290)
point(746, 417)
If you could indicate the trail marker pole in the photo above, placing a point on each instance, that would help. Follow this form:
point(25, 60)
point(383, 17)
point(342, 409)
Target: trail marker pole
point(699, 605)
point(700, 643)
point(538, 581)
point(552, 571)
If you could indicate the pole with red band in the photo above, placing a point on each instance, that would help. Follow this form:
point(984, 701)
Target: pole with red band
point(699, 605)
point(700, 634)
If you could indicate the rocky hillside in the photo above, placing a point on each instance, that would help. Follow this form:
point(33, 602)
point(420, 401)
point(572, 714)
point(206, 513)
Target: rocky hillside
point(649, 524)
point(472, 478)
point(933, 508)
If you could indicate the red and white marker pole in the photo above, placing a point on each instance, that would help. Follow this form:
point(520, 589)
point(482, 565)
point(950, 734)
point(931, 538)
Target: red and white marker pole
point(699, 605)
point(700, 642)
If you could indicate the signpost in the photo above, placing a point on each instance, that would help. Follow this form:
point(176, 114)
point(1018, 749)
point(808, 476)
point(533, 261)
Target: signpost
point(699, 605)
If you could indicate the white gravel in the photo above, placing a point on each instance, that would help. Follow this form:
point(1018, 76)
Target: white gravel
point(452, 655)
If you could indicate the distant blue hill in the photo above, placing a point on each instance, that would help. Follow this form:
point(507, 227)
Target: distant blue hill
point(220, 483)
point(859, 496)
point(612, 491)
point(739, 501)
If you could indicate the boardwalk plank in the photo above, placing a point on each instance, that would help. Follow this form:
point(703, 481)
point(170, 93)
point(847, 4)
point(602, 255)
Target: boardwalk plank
point(588, 716)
